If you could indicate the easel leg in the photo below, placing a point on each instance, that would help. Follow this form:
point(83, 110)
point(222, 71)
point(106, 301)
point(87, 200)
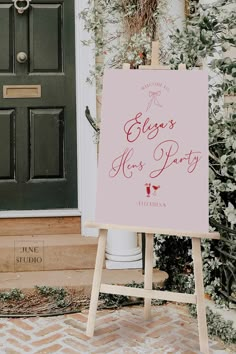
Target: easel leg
point(199, 291)
point(96, 282)
point(148, 274)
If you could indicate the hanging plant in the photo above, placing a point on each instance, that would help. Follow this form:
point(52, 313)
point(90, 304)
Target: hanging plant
point(122, 31)
point(139, 14)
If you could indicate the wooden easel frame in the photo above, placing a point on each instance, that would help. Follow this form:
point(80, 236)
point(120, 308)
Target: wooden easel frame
point(147, 293)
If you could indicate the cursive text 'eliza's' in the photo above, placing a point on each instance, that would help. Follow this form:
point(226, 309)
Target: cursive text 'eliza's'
point(135, 127)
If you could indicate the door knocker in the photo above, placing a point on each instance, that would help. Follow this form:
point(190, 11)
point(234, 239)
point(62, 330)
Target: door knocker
point(21, 9)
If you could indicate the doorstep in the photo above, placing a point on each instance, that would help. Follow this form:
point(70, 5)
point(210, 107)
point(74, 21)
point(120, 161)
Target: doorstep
point(47, 252)
point(81, 279)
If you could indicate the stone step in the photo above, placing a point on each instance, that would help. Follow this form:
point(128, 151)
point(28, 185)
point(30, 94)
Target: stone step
point(47, 252)
point(40, 226)
point(81, 279)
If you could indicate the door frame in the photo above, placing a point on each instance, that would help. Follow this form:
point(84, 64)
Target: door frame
point(86, 147)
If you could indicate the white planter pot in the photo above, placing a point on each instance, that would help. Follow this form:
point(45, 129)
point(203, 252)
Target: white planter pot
point(122, 251)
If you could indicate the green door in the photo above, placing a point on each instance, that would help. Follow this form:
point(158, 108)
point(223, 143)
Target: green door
point(37, 105)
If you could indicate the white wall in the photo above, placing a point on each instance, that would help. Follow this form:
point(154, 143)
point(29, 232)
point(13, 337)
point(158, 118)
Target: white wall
point(87, 149)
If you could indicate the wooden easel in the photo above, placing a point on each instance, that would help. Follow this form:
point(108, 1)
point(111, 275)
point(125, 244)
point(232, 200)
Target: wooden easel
point(147, 293)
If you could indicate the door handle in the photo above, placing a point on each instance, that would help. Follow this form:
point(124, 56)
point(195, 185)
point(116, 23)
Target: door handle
point(21, 57)
point(21, 9)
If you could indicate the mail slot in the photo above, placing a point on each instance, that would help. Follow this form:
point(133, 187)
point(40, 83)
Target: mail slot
point(21, 91)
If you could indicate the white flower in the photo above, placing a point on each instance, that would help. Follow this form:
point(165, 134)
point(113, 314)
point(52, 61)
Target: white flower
point(230, 212)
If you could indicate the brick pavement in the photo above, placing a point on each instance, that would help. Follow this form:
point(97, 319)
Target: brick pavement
point(123, 331)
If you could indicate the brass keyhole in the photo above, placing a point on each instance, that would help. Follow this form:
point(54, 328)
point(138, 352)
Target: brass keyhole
point(21, 57)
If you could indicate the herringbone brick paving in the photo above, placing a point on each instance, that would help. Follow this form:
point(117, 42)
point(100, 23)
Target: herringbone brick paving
point(123, 331)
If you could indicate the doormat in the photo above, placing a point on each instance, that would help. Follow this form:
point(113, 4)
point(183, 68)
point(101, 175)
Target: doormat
point(42, 301)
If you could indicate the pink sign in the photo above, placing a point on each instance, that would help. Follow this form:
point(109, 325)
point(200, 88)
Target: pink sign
point(153, 160)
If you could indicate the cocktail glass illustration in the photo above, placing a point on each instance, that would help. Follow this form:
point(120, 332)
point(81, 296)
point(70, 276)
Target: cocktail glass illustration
point(155, 188)
point(148, 189)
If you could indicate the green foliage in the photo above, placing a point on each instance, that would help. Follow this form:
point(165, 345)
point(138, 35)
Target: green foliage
point(58, 294)
point(206, 36)
point(220, 328)
point(14, 294)
point(217, 326)
point(112, 300)
point(173, 255)
point(208, 32)
point(122, 31)
point(116, 301)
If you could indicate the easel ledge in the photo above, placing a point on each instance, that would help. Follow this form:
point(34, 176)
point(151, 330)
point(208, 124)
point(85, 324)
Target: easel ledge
point(147, 230)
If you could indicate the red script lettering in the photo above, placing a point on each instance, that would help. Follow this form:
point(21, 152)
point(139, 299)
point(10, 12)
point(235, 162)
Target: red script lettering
point(165, 154)
point(122, 164)
point(134, 127)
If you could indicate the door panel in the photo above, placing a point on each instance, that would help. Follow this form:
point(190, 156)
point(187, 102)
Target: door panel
point(7, 36)
point(45, 55)
point(38, 135)
point(7, 144)
point(47, 134)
